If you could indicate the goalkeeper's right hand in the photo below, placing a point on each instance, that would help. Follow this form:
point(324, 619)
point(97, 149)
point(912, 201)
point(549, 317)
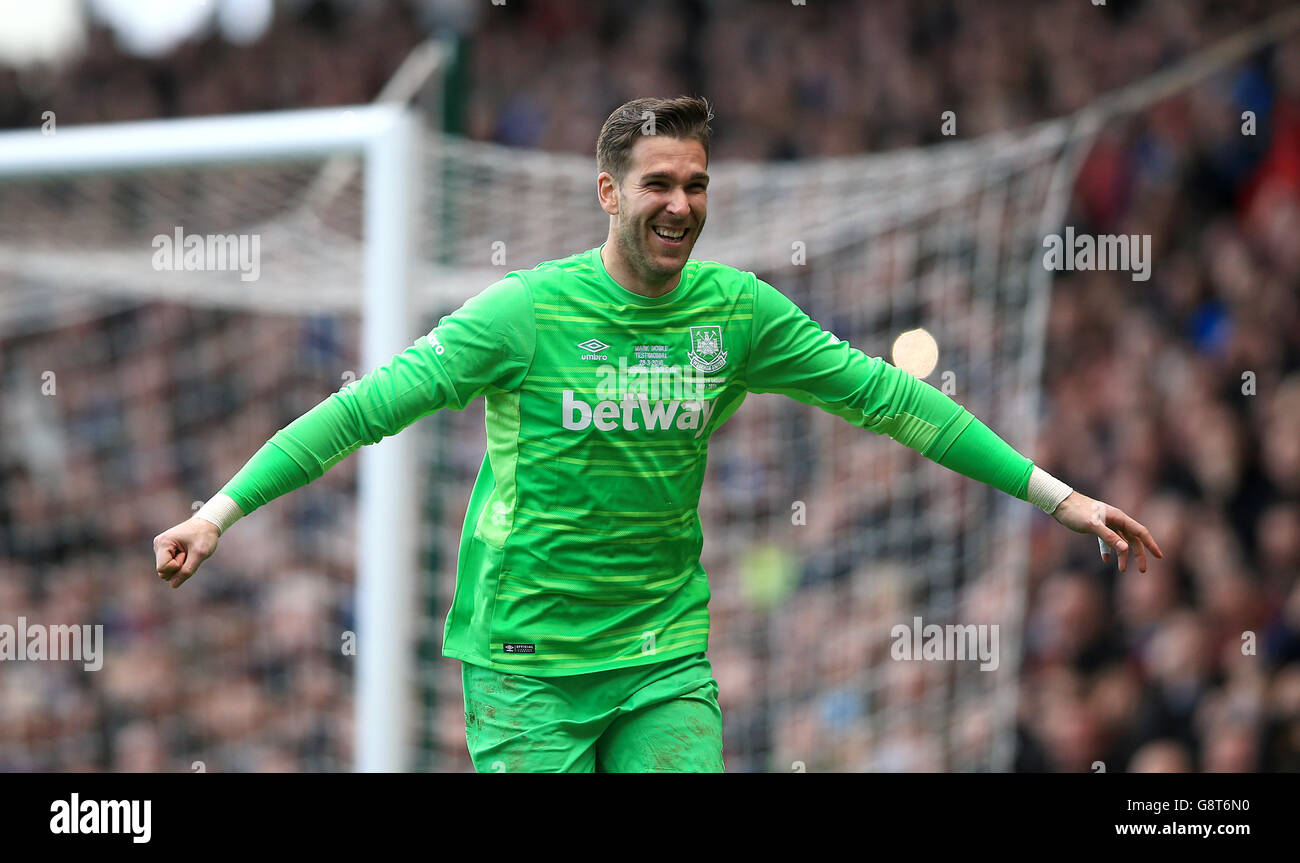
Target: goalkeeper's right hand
point(179, 550)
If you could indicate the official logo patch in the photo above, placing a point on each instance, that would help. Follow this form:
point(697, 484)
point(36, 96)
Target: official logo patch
point(706, 352)
point(518, 648)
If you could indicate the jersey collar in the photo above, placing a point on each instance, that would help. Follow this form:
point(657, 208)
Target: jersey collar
point(632, 296)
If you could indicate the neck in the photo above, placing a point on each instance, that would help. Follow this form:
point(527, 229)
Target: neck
point(628, 278)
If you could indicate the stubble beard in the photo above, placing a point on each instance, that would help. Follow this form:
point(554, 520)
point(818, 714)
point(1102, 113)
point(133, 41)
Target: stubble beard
point(633, 241)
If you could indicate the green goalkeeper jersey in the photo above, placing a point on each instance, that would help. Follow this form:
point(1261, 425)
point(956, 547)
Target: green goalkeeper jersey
point(581, 545)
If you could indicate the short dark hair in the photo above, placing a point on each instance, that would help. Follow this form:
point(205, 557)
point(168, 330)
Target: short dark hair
point(684, 117)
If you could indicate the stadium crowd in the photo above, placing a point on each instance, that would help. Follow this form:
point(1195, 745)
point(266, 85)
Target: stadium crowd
point(1176, 399)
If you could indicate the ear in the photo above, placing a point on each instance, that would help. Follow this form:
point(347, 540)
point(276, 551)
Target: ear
point(607, 192)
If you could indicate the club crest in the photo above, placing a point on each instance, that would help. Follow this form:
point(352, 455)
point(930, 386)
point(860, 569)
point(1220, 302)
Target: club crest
point(706, 352)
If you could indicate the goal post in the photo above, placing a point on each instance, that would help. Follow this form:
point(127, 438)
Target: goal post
point(386, 139)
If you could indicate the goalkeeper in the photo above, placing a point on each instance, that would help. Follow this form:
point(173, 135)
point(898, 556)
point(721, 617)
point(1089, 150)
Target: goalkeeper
point(580, 613)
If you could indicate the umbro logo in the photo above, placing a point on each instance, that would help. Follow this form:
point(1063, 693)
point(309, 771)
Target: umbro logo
point(593, 348)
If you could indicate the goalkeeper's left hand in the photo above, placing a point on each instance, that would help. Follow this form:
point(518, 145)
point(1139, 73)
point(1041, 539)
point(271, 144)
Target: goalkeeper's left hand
point(1113, 528)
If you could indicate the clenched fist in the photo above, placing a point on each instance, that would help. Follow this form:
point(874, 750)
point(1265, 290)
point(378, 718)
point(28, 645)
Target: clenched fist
point(179, 550)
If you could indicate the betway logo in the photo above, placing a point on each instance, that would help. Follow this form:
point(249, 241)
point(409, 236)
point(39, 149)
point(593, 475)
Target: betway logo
point(632, 414)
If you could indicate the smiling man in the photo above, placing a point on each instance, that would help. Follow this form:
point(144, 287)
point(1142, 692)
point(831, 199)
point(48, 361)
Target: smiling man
point(655, 189)
point(580, 613)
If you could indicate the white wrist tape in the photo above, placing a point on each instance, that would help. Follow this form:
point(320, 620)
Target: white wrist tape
point(1046, 491)
point(222, 511)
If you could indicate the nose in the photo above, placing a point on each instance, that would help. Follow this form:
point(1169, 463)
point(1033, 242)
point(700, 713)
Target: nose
point(677, 203)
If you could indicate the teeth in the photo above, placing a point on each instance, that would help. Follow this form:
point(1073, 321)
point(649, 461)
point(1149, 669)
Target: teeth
point(667, 234)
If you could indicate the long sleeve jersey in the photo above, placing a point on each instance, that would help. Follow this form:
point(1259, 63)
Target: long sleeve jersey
point(581, 546)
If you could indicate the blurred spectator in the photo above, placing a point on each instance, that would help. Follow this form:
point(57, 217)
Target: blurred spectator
point(1161, 756)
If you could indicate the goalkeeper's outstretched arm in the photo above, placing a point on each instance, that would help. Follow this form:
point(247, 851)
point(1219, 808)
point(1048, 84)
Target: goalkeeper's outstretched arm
point(486, 344)
point(791, 354)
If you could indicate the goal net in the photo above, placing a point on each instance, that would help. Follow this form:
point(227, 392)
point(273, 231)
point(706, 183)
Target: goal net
point(141, 368)
point(820, 538)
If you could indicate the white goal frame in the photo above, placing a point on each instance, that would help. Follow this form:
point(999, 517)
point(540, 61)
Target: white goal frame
point(386, 138)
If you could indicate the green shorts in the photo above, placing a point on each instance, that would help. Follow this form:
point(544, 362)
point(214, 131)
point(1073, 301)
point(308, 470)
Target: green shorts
point(662, 717)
